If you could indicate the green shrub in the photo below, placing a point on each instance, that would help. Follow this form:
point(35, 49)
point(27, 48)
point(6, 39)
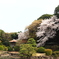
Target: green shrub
point(5, 48)
point(56, 11)
point(1, 47)
point(10, 48)
point(0, 42)
point(45, 16)
point(41, 50)
point(32, 42)
point(16, 48)
point(26, 50)
point(56, 53)
point(48, 51)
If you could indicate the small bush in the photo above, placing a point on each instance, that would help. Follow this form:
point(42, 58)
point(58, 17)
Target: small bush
point(5, 48)
point(1, 47)
point(56, 53)
point(26, 50)
point(41, 50)
point(32, 42)
point(16, 48)
point(48, 51)
point(10, 48)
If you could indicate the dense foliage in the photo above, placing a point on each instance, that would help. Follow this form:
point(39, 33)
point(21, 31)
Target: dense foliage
point(32, 28)
point(48, 51)
point(41, 50)
point(10, 48)
point(3, 48)
point(6, 37)
point(56, 11)
point(45, 16)
point(56, 53)
point(26, 50)
point(16, 48)
point(32, 42)
point(14, 35)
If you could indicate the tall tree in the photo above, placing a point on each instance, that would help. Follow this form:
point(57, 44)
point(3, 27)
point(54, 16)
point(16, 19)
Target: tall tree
point(14, 35)
point(32, 28)
point(56, 11)
point(2, 34)
point(3, 38)
point(8, 36)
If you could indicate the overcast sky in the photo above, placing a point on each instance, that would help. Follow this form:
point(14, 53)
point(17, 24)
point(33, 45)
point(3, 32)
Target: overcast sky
point(15, 15)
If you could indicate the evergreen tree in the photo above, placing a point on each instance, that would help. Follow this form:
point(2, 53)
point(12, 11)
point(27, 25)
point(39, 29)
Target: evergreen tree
point(56, 11)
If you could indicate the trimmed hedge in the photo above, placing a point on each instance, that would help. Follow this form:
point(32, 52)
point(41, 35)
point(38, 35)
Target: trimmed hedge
point(48, 52)
point(41, 50)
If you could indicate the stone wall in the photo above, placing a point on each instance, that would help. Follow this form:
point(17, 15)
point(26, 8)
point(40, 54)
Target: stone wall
point(44, 57)
point(40, 57)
